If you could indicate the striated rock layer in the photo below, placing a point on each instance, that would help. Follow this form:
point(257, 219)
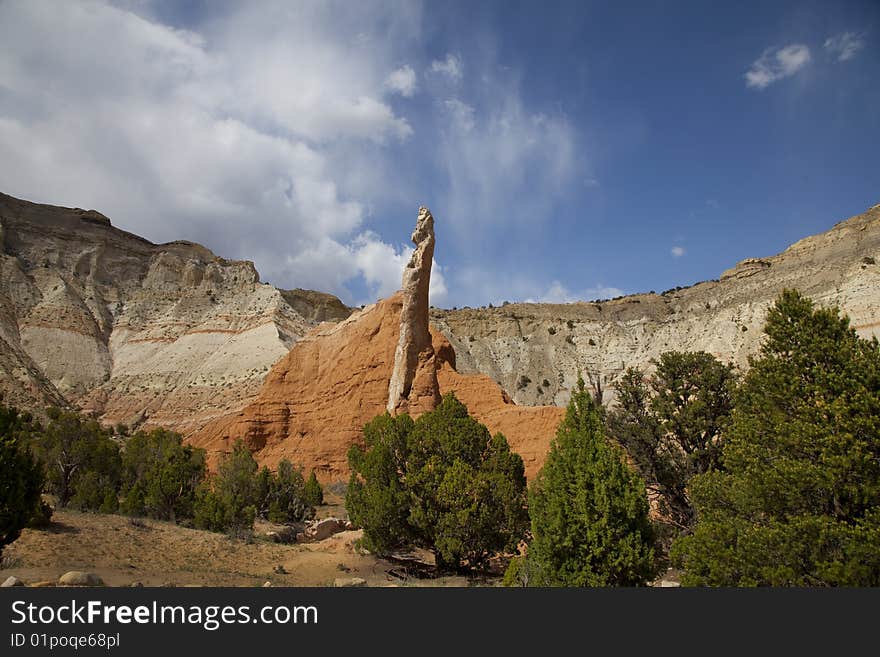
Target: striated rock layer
point(169, 334)
point(534, 351)
point(316, 400)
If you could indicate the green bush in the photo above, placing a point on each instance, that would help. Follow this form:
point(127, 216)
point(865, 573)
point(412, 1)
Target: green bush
point(672, 424)
point(81, 460)
point(286, 499)
point(798, 502)
point(21, 478)
point(229, 502)
point(240, 492)
point(314, 494)
point(589, 510)
point(442, 483)
point(160, 475)
point(42, 514)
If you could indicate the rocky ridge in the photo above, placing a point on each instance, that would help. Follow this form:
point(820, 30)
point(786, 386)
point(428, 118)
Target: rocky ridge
point(170, 334)
point(535, 351)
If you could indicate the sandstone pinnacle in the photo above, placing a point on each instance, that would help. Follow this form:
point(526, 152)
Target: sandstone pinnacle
point(414, 376)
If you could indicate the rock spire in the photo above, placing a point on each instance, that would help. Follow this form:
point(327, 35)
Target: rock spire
point(414, 377)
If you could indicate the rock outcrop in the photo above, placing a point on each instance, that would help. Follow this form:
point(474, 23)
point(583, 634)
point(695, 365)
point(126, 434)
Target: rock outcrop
point(316, 400)
point(413, 386)
point(162, 334)
point(534, 351)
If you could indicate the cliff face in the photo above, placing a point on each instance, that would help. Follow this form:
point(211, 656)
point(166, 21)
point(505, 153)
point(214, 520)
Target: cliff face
point(169, 334)
point(534, 351)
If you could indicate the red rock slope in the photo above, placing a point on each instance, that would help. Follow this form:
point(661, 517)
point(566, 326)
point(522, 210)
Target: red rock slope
point(315, 401)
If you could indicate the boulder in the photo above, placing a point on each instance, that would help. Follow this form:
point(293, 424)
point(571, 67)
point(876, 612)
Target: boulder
point(323, 529)
point(80, 578)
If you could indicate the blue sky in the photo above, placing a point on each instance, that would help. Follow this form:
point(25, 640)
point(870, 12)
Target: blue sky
point(568, 150)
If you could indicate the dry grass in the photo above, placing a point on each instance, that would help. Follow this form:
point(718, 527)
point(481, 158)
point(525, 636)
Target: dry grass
point(156, 553)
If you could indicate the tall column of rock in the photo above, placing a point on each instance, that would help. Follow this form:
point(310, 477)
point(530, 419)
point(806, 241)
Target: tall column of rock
point(413, 384)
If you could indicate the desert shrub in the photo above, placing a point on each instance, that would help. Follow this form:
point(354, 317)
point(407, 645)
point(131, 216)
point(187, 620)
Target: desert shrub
point(442, 483)
point(160, 475)
point(287, 499)
point(314, 494)
point(240, 492)
point(228, 502)
point(672, 423)
point(798, 500)
point(589, 510)
point(21, 478)
point(81, 460)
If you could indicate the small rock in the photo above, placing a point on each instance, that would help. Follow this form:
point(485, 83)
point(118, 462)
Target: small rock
point(11, 581)
point(279, 570)
point(137, 585)
point(267, 584)
point(344, 582)
point(42, 585)
point(667, 584)
point(80, 578)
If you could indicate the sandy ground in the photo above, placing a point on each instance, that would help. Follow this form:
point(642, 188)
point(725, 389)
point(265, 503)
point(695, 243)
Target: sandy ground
point(155, 553)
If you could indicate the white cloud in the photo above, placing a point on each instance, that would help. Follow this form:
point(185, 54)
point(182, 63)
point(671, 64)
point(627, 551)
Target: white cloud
point(776, 64)
point(249, 136)
point(381, 266)
point(677, 251)
point(485, 285)
point(506, 164)
point(402, 81)
point(451, 67)
point(845, 45)
point(461, 114)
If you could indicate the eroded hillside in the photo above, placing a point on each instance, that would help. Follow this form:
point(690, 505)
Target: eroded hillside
point(536, 350)
point(169, 334)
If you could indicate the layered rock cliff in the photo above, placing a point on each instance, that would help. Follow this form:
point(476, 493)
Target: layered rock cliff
point(534, 351)
point(316, 400)
point(94, 317)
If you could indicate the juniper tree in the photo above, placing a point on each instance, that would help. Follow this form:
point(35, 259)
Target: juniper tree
point(441, 482)
point(589, 509)
point(798, 501)
point(671, 424)
point(21, 478)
